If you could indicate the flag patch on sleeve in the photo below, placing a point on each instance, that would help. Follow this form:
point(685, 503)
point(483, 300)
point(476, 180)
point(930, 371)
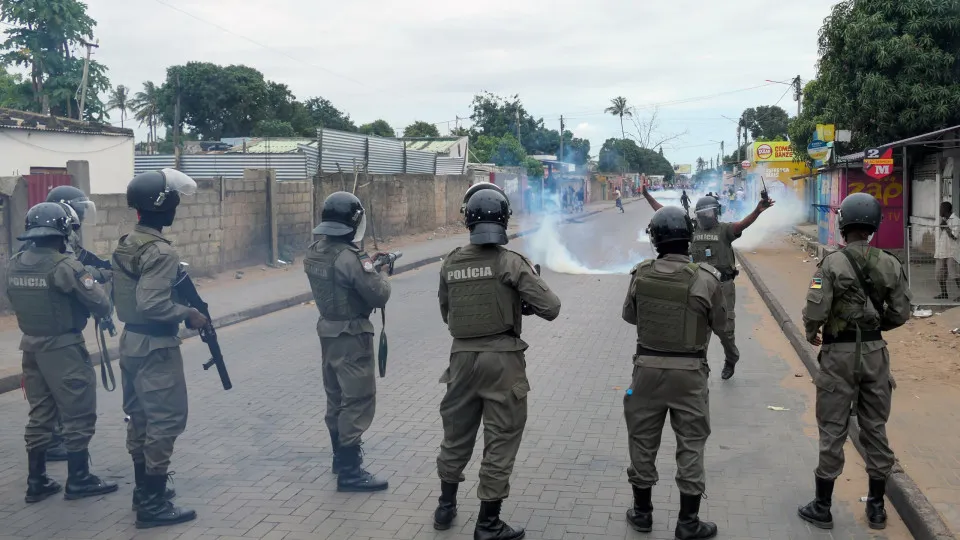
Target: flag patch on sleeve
point(817, 283)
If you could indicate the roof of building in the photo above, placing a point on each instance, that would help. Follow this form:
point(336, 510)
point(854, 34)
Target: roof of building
point(858, 156)
point(437, 145)
point(276, 146)
point(14, 119)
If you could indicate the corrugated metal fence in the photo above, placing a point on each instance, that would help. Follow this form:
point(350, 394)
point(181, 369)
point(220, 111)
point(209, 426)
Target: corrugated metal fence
point(339, 150)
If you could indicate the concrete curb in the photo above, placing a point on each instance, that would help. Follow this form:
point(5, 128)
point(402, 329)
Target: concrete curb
point(12, 382)
point(919, 515)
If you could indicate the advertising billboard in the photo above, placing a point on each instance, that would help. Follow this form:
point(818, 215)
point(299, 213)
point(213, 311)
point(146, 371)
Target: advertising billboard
point(683, 169)
point(771, 151)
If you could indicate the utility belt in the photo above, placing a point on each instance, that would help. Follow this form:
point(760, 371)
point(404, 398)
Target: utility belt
point(154, 329)
point(67, 333)
point(850, 336)
point(643, 351)
point(728, 274)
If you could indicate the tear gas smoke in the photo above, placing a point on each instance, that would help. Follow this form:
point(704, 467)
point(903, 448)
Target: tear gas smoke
point(549, 246)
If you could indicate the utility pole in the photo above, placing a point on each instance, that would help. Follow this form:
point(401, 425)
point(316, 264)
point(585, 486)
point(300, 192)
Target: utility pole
point(176, 126)
point(797, 93)
point(83, 82)
point(723, 154)
point(518, 123)
point(561, 140)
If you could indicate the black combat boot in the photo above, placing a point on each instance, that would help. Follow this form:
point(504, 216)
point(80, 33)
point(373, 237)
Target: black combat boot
point(337, 461)
point(140, 477)
point(57, 451)
point(155, 509)
point(447, 509)
point(689, 526)
point(817, 511)
point(640, 517)
point(353, 478)
point(876, 515)
point(490, 527)
point(80, 483)
point(39, 485)
point(728, 369)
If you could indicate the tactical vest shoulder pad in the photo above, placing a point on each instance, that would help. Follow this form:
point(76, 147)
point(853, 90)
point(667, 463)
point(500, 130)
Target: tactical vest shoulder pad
point(819, 264)
point(709, 269)
point(641, 265)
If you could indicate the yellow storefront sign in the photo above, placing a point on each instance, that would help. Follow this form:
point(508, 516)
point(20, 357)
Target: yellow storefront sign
point(771, 151)
point(825, 132)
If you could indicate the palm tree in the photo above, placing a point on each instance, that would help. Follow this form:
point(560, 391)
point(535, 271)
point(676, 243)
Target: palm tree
point(620, 108)
point(147, 111)
point(701, 164)
point(119, 99)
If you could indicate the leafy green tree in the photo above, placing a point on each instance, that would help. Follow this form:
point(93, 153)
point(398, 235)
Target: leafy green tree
point(623, 155)
point(577, 151)
point(274, 128)
point(421, 129)
point(215, 101)
point(283, 107)
point(766, 123)
point(888, 70)
point(325, 115)
point(618, 107)
point(146, 110)
point(41, 38)
point(120, 101)
point(534, 168)
point(509, 152)
point(15, 93)
point(379, 128)
point(496, 116)
point(484, 148)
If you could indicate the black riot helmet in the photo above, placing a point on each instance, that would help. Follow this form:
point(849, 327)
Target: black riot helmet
point(342, 215)
point(479, 187)
point(46, 219)
point(708, 210)
point(159, 191)
point(85, 209)
point(860, 209)
point(486, 215)
point(670, 224)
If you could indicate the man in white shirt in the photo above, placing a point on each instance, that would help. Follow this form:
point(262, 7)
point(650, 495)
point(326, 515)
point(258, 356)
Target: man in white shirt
point(947, 252)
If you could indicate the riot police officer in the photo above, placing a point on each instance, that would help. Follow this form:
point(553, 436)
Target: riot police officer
point(713, 243)
point(855, 295)
point(675, 304)
point(80, 210)
point(53, 295)
point(154, 388)
point(485, 289)
point(347, 288)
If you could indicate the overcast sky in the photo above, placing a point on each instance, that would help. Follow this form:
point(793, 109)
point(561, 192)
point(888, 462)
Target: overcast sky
point(424, 60)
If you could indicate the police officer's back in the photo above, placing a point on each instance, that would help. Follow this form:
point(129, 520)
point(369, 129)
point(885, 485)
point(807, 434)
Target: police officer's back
point(485, 289)
point(151, 365)
point(346, 288)
point(856, 294)
point(53, 295)
point(675, 304)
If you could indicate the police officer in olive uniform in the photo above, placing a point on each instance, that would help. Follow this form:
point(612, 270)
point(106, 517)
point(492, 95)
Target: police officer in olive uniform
point(855, 295)
point(154, 388)
point(53, 295)
point(485, 289)
point(347, 288)
point(713, 243)
point(675, 305)
point(81, 210)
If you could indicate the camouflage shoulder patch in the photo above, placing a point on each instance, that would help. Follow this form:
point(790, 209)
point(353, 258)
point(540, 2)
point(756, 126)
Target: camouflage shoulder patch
point(816, 283)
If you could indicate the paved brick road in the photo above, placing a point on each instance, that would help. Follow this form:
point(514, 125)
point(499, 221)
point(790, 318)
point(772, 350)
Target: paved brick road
point(254, 461)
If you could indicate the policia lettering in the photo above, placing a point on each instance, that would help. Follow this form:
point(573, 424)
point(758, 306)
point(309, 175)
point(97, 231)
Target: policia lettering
point(854, 296)
point(346, 288)
point(482, 288)
point(53, 296)
point(675, 304)
point(151, 366)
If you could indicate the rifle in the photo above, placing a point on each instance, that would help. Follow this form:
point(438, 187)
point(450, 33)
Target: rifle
point(87, 258)
point(386, 259)
point(187, 292)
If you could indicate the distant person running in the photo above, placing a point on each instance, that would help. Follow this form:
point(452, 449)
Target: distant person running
point(616, 194)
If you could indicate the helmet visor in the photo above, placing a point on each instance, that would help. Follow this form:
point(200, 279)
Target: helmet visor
point(179, 182)
point(85, 209)
point(361, 229)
